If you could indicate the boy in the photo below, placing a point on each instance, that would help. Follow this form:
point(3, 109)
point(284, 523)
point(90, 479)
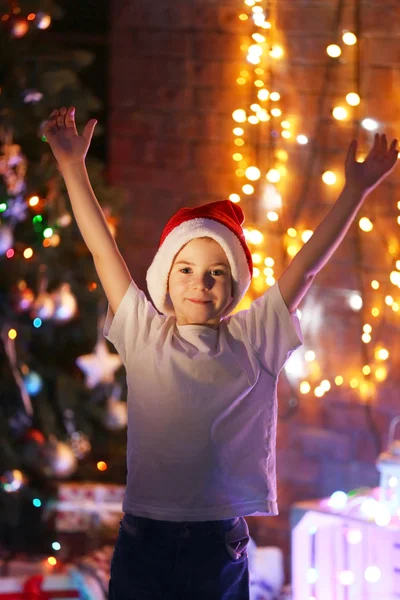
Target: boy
point(201, 384)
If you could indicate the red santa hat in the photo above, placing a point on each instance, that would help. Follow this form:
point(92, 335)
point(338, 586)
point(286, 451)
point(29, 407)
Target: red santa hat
point(222, 221)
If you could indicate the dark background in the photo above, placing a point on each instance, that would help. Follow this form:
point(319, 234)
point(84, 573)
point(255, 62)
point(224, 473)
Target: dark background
point(86, 25)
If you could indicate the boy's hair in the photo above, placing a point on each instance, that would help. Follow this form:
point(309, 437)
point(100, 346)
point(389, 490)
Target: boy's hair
point(221, 221)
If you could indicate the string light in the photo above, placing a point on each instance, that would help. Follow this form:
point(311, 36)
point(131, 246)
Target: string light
point(334, 51)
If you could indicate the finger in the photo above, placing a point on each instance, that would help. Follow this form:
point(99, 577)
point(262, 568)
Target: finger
point(89, 129)
point(351, 153)
point(383, 146)
point(393, 153)
point(375, 146)
point(61, 117)
point(70, 119)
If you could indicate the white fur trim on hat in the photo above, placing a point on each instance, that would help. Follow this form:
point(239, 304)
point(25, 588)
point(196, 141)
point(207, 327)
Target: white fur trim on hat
point(158, 272)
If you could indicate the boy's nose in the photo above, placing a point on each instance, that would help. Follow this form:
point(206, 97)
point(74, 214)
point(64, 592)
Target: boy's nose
point(203, 281)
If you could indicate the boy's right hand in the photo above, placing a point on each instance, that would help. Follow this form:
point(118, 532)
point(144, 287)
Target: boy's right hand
point(60, 130)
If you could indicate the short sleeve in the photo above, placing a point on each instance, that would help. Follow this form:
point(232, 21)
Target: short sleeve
point(271, 330)
point(132, 323)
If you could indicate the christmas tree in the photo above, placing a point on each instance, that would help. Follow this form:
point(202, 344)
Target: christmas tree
point(62, 390)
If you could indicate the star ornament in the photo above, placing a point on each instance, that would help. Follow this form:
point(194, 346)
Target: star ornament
point(100, 366)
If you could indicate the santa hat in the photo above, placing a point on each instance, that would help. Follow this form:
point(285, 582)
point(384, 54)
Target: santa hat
point(221, 221)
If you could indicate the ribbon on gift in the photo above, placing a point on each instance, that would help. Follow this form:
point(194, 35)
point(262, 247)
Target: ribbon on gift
point(32, 589)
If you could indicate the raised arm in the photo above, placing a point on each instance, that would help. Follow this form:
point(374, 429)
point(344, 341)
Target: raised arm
point(70, 150)
point(361, 179)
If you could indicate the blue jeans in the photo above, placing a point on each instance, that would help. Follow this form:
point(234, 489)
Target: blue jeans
point(165, 560)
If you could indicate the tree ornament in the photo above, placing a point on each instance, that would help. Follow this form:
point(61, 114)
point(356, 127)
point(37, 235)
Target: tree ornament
point(33, 381)
point(43, 306)
point(100, 366)
point(117, 410)
point(16, 209)
point(13, 481)
point(6, 238)
point(22, 297)
point(78, 440)
point(61, 461)
point(65, 304)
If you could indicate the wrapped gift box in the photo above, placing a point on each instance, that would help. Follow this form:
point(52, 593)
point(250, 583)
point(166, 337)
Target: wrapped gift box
point(46, 587)
point(345, 552)
point(81, 506)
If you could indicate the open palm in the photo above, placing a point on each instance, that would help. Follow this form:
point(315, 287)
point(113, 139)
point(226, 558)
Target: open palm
point(61, 133)
point(378, 164)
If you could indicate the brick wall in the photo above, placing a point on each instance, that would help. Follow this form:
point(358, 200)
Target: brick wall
point(172, 92)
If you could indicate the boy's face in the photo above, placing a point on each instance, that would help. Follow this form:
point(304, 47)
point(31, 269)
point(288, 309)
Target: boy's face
point(201, 272)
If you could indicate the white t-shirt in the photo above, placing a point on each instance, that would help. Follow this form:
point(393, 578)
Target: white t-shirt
point(202, 408)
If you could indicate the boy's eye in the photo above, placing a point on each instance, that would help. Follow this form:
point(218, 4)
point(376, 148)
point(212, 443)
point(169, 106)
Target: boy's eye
point(215, 271)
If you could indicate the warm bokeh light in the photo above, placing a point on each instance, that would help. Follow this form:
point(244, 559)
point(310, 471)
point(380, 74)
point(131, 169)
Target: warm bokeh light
point(329, 177)
point(353, 99)
point(349, 38)
point(340, 113)
point(333, 50)
point(239, 115)
point(253, 173)
point(273, 176)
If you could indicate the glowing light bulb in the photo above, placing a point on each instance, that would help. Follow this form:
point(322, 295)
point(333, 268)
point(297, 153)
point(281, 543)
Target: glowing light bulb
point(276, 52)
point(255, 49)
point(248, 189)
point(354, 536)
point(33, 201)
point(338, 500)
point(263, 94)
point(333, 50)
point(302, 139)
point(305, 387)
point(234, 198)
point(305, 236)
point(369, 124)
point(355, 302)
point(353, 99)
point(346, 577)
point(329, 177)
point(255, 237)
point(312, 575)
point(258, 38)
point(239, 115)
point(273, 175)
point(253, 173)
point(349, 38)
point(339, 113)
point(365, 224)
point(382, 354)
point(372, 574)
point(382, 515)
point(276, 112)
point(275, 96)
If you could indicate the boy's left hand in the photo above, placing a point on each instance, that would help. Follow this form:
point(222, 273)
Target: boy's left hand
point(365, 176)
